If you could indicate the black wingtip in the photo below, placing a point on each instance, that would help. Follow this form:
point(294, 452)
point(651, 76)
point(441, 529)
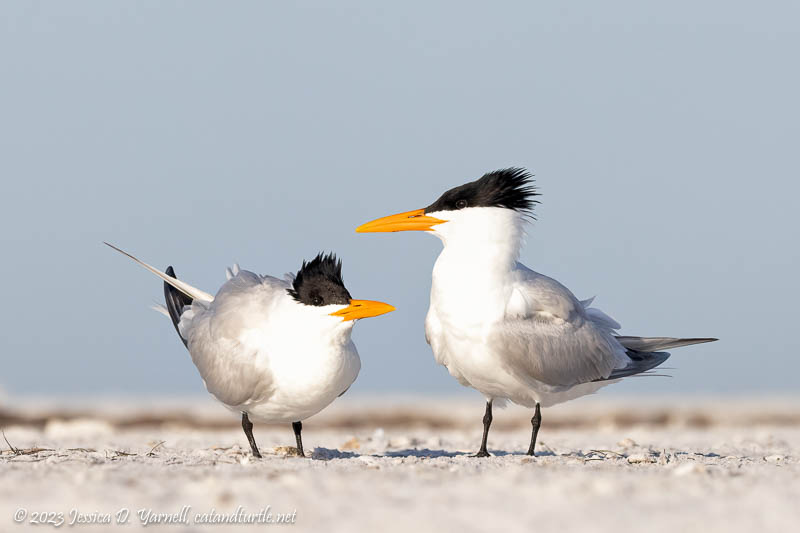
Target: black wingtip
point(175, 301)
point(641, 362)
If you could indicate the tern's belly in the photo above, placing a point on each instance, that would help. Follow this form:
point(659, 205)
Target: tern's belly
point(466, 353)
point(299, 395)
point(476, 365)
point(290, 408)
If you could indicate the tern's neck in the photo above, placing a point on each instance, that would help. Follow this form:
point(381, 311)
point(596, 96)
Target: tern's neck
point(488, 240)
point(470, 282)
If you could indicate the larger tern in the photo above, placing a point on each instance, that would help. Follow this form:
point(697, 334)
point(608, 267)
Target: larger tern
point(277, 350)
point(503, 329)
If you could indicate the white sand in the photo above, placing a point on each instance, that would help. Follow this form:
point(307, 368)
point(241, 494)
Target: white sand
point(706, 473)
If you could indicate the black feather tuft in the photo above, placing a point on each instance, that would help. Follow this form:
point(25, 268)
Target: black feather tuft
point(319, 282)
point(511, 188)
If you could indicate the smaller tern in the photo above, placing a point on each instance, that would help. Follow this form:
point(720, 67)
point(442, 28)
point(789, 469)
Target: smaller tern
point(503, 329)
point(277, 350)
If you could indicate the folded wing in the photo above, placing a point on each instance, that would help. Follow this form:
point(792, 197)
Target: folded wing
point(219, 338)
point(548, 335)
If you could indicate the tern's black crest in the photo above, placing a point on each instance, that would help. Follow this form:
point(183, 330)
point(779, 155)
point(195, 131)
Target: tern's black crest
point(511, 188)
point(319, 282)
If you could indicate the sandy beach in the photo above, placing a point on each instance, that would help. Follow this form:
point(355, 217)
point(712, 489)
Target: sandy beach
point(401, 464)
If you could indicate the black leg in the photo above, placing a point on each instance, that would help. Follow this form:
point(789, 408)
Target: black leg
point(298, 427)
point(536, 421)
point(487, 421)
point(247, 426)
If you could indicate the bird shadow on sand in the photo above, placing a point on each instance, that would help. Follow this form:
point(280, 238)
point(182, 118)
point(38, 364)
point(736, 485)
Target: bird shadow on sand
point(326, 454)
point(424, 453)
point(503, 453)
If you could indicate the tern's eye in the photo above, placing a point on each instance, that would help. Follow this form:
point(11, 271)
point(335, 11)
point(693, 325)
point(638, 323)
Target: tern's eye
point(461, 204)
point(316, 300)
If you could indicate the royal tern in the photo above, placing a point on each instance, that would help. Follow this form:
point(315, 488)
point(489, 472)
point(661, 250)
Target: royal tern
point(499, 327)
point(277, 350)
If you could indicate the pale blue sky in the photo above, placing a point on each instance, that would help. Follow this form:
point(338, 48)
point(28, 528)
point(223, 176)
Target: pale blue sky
point(664, 140)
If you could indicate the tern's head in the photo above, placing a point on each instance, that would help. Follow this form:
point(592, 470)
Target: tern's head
point(497, 202)
point(319, 285)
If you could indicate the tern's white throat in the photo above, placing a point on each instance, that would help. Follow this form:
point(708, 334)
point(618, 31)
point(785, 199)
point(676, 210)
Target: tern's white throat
point(485, 238)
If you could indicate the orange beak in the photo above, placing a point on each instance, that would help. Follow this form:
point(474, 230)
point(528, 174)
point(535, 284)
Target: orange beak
point(363, 309)
point(409, 221)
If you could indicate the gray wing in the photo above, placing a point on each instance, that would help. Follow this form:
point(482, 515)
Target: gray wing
point(213, 333)
point(550, 336)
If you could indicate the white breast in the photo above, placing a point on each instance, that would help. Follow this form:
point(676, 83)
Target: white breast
point(308, 376)
point(464, 310)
